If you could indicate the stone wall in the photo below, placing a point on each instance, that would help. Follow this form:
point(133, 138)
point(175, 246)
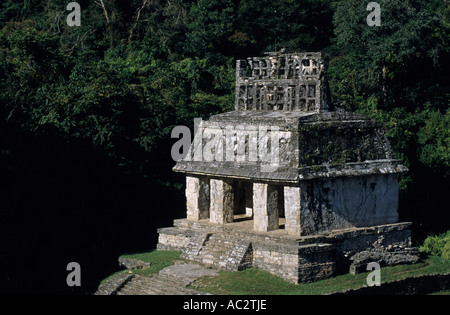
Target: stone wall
point(388, 237)
point(290, 82)
point(338, 142)
point(295, 259)
point(221, 201)
point(265, 207)
point(292, 209)
point(173, 239)
point(310, 146)
point(242, 141)
point(295, 264)
point(346, 202)
point(197, 198)
point(278, 260)
point(316, 262)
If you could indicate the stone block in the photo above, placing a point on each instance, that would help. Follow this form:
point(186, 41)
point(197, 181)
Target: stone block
point(265, 207)
point(347, 202)
point(292, 209)
point(221, 201)
point(197, 198)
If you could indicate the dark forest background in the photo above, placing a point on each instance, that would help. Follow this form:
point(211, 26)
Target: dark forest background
point(86, 113)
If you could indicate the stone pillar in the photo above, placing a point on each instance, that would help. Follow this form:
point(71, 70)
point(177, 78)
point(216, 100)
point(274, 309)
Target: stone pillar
point(197, 198)
point(221, 201)
point(292, 210)
point(265, 207)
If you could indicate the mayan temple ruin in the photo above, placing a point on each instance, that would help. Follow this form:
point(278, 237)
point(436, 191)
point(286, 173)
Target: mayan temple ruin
point(288, 184)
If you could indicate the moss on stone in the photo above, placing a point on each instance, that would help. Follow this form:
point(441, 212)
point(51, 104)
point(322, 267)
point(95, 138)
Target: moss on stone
point(332, 142)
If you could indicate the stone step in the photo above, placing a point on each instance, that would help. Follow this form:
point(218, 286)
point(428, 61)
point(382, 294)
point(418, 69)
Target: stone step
point(172, 280)
point(137, 286)
point(172, 286)
point(114, 284)
point(240, 257)
point(225, 252)
point(194, 246)
point(205, 227)
point(215, 251)
point(155, 285)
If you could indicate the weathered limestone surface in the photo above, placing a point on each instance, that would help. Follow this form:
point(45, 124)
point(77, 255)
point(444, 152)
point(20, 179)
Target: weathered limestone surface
point(194, 246)
point(292, 208)
point(114, 284)
point(219, 250)
point(265, 207)
point(310, 146)
point(296, 259)
point(360, 260)
point(291, 82)
point(345, 202)
point(197, 198)
point(172, 280)
point(173, 239)
point(221, 202)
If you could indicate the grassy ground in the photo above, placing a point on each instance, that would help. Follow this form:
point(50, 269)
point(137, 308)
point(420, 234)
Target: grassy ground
point(257, 282)
point(158, 260)
point(446, 292)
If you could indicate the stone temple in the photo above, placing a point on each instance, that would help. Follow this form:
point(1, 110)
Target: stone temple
point(288, 184)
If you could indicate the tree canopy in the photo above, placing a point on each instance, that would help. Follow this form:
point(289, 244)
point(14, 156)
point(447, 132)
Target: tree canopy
point(133, 70)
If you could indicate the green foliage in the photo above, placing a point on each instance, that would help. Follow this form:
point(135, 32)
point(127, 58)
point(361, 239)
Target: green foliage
point(110, 91)
point(210, 25)
point(18, 10)
point(437, 245)
point(411, 39)
point(158, 260)
point(31, 59)
point(446, 251)
point(129, 100)
point(135, 69)
point(396, 73)
point(434, 139)
point(257, 282)
point(271, 25)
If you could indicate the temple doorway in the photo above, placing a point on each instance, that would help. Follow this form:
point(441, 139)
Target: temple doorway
point(243, 209)
point(243, 203)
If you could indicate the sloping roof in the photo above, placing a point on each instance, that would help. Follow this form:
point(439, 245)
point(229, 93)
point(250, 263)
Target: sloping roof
point(310, 146)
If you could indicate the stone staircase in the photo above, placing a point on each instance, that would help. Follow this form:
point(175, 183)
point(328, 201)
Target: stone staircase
point(240, 257)
point(172, 280)
point(220, 250)
point(155, 285)
point(194, 246)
